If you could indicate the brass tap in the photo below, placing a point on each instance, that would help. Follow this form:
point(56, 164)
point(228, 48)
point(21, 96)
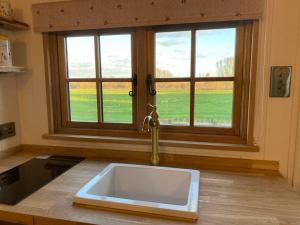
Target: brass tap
point(151, 122)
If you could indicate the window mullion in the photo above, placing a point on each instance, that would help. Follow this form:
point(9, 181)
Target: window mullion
point(134, 76)
point(240, 68)
point(62, 70)
point(98, 80)
point(143, 64)
point(193, 69)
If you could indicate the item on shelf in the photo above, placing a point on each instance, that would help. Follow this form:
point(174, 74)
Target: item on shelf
point(5, 9)
point(11, 69)
point(5, 51)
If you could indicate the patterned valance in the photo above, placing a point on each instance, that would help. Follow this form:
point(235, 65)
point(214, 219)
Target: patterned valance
point(98, 14)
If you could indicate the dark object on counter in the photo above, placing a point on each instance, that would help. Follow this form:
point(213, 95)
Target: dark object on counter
point(23, 180)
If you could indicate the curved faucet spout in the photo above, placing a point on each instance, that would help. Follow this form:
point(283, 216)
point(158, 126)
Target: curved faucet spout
point(146, 124)
point(151, 122)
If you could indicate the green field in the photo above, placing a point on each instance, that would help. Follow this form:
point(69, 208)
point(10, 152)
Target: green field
point(212, 108)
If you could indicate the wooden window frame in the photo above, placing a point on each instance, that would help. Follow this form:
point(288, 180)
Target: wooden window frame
point(236, 79)
point(98, 80)
point(143, 61)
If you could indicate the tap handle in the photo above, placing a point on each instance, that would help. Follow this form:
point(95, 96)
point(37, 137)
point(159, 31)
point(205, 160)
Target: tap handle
point(146, 124)
point(154, 114)
point(153, 107)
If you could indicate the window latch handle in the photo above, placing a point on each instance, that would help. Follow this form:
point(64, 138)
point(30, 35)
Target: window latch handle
point(150, 84)
point(132, 93)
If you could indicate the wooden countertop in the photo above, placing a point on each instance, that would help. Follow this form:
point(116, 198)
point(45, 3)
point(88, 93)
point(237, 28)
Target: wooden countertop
point(225, 198)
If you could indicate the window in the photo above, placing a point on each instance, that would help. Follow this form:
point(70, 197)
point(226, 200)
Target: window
point(104, 80)
point(195, 73)
point(200, 77)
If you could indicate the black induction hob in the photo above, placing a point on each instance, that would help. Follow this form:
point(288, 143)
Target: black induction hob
point(21, 181)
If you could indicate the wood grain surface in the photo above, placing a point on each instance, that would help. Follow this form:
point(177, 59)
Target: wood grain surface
point(225, 198)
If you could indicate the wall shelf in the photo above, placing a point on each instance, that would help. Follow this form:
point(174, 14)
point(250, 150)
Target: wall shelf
point(12, 24)
point(11, 69)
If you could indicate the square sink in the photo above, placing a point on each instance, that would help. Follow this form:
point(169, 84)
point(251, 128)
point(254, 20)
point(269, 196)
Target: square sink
point(162, 191)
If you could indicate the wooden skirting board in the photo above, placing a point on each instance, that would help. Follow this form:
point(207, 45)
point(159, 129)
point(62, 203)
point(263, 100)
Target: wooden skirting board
point(166, 159)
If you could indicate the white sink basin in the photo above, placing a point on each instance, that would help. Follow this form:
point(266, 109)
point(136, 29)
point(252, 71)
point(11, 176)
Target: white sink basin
point(163, 191)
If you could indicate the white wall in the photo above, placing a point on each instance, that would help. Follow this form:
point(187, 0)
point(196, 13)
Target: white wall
point(9, 110)
point(280, 117)
point(275, 118)
point(296, 180)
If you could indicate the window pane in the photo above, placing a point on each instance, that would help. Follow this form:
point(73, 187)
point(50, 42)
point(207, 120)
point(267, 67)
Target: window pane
point(214, 104)
point(83, 101)
point(117, 104)
point(81, 57)
point(173, 54)
point(116, 56)
point(215, 52)
point(173, 103)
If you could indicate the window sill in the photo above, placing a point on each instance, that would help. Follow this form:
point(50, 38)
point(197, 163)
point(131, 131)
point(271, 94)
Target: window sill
point(167, 143)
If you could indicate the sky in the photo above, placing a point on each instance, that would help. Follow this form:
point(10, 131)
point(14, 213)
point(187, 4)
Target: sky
point(212, 46)
point(173, 53)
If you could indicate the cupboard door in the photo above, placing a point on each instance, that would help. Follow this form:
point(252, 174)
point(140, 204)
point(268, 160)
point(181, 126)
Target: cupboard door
point(48, 221)
point(7, 223)
point(9, 218)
